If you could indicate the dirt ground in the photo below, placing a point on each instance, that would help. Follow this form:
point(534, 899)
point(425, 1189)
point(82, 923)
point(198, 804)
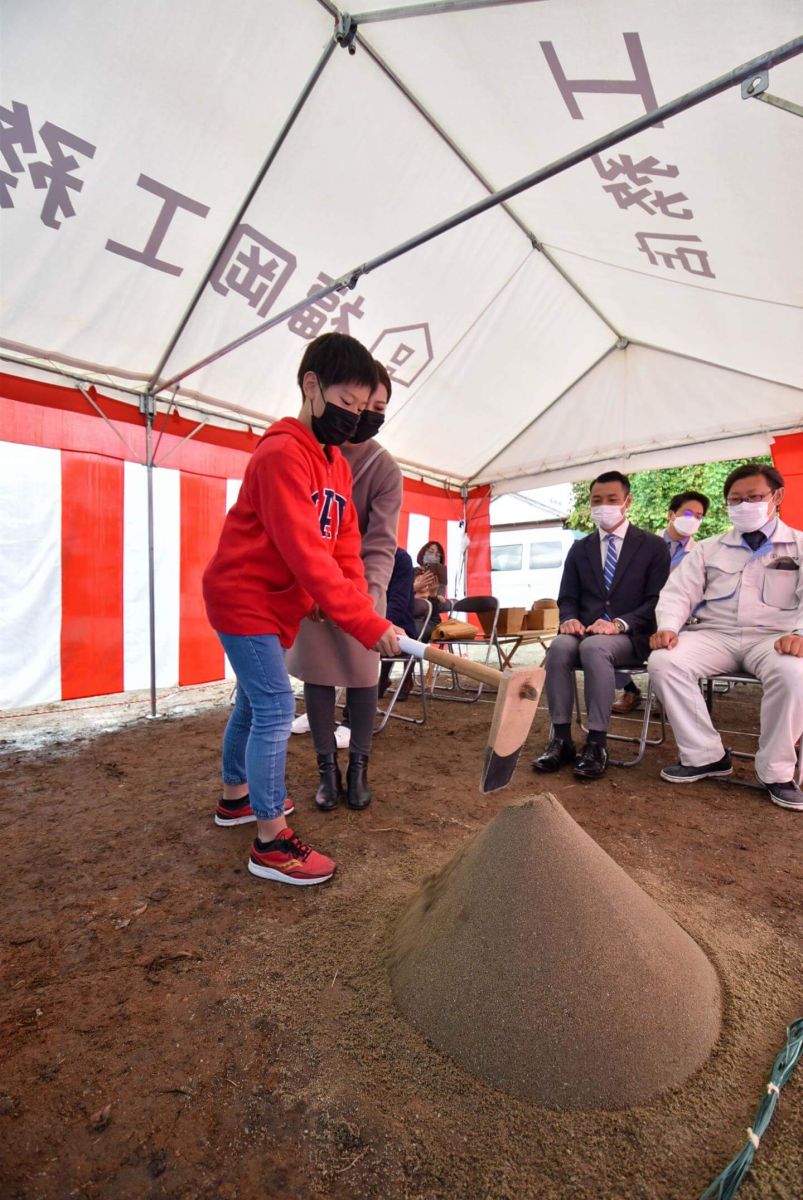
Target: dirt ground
point(172, 1027)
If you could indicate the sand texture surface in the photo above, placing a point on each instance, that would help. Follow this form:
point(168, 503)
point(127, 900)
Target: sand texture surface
point(243, 1040)
point(540, 966)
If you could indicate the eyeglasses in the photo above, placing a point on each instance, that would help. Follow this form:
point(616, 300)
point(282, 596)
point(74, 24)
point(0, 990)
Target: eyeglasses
point(754, 499)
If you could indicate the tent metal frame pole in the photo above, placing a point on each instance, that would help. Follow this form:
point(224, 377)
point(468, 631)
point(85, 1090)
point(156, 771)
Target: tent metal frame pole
point(532, 237)
point(241, 211)
point(624, 455)
point(620, 345)
point(680, 104)
point(201, 425)
point(717, 366)
point(84, 390)
point(433, 8)
point(464, 557)
point(779, 102)
point(149, 411)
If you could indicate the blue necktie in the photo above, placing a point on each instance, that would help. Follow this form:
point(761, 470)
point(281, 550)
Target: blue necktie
point(678, 553)
point(609, 570)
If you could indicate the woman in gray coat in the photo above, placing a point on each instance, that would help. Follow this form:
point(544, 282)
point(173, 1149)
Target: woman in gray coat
point(325, 657)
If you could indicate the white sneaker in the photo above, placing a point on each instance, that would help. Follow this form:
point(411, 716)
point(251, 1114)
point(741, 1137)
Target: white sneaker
point(301, 724)
point(342, 737)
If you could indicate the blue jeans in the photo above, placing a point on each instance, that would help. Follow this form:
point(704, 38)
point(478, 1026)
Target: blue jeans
point(256, 737)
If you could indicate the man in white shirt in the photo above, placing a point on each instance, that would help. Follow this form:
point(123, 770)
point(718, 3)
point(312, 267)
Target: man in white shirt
point(740, 597)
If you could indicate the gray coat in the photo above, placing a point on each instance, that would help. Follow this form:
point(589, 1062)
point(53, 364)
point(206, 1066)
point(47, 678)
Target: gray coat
point(322, 653)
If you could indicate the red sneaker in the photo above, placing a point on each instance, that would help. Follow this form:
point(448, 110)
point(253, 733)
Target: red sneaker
point(240, 812)
point(287, 860)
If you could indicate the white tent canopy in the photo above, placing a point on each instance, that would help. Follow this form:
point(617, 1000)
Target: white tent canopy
point(642, 307)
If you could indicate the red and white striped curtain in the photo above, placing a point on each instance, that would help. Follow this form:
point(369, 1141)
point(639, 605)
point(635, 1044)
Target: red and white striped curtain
point(74, 548)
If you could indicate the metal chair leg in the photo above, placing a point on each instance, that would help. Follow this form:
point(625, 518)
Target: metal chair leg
point(387, 713)
point(643, 740)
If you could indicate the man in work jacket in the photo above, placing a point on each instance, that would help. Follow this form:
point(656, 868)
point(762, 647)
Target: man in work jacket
point(740, 597)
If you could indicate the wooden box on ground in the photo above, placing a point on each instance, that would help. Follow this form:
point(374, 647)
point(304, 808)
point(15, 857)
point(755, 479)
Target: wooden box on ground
point(545, 619)
point(510, 621)
point(543, 615)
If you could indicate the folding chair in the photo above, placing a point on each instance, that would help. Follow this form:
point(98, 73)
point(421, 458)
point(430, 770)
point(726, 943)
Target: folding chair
point(476, 605)
point(709, 687)
point(643, 740)
point(423, 612)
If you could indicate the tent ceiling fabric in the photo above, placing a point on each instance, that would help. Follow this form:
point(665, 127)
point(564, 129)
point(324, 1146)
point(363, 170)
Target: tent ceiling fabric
point(124, 174)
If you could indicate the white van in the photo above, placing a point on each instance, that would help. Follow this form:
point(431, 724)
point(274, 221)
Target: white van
point(527, 564)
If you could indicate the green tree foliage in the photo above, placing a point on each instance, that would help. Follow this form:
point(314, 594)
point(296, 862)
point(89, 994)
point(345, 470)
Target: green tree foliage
point(652, 491)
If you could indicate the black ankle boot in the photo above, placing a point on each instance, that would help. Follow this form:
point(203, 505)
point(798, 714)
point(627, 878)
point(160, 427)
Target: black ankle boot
point(358, 793)
point(330, 787)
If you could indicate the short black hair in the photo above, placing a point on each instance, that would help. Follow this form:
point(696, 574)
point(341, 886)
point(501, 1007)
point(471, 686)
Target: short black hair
point(611, 477)
point(685, 497)
point(773, 477)
point(383, 377)
point(338, 358)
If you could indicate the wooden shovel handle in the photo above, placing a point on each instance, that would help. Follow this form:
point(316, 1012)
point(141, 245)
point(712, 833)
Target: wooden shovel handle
point(452, 662)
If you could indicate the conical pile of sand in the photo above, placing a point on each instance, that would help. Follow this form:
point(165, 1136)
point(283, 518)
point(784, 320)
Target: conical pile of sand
point(540, 966)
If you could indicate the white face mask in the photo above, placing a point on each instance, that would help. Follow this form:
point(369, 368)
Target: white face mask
point(606, 516)
point(750, 516)
point(687, 525)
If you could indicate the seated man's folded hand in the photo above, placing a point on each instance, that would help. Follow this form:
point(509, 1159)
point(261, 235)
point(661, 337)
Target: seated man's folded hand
point(572, 626)
point(664, 639)
point(790, 643)
point(602, 626)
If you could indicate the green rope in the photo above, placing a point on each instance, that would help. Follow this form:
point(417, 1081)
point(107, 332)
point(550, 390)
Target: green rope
point(728, 1182)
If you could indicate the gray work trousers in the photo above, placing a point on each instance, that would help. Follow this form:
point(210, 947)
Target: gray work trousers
point(597, 656)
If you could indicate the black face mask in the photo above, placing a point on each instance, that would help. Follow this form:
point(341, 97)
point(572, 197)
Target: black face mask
point(368, 426)
point(335, 425)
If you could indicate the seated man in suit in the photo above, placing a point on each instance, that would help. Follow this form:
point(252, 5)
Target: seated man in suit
point(736, 604)
point(610, 585)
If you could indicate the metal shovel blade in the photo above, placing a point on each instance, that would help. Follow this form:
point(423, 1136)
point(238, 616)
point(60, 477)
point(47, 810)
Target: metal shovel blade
point(514, 712)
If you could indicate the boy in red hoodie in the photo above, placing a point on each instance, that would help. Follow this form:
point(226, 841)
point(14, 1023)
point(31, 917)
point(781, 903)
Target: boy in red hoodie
point(289, 543)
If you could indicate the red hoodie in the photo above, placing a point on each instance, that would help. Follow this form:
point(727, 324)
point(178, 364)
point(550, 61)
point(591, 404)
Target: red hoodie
point(291, 540)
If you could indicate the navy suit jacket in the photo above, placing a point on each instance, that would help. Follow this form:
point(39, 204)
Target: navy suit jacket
point(641, 571)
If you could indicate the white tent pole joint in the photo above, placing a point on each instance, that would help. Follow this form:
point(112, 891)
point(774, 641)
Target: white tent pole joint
point(680, 104)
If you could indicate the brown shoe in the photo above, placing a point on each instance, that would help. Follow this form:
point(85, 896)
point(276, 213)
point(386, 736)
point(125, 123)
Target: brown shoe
point(627, 702)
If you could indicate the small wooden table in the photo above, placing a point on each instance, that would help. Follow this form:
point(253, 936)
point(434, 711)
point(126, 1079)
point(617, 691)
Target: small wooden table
point(509, 643)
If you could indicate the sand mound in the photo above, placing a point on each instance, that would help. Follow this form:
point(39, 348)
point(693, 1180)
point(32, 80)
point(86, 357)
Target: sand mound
point(540, 966)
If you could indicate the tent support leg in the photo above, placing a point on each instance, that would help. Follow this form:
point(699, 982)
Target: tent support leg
point(149, 409)
point(464, 561)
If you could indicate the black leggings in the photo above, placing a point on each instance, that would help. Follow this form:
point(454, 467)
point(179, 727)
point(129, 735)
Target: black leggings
point(320, 704)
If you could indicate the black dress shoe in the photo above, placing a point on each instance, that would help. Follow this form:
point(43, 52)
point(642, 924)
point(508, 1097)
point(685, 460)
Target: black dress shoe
point(330, 788)
point(557, 754)
point(358, 793)
point(592, 762)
